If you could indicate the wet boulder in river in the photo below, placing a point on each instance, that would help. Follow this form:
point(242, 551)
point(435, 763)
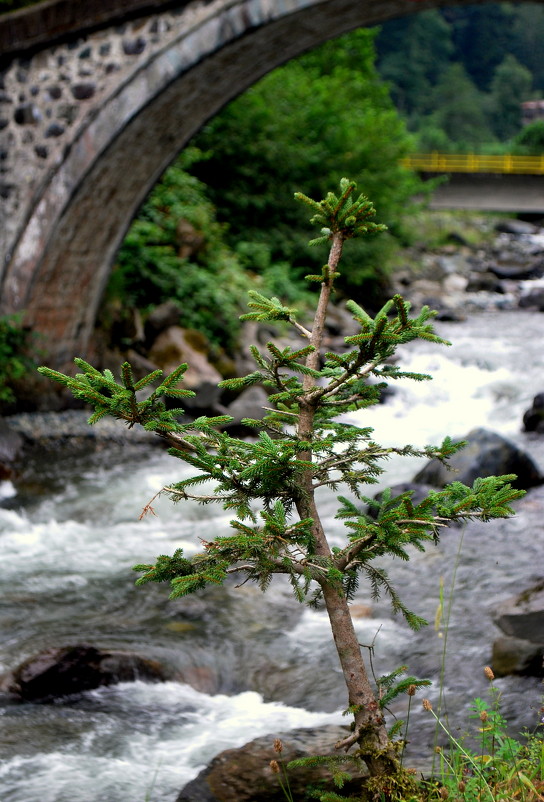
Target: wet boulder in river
point(245, 774)
point(533, 418)
point(517, 656)
point(523, 615)
point(486, 454)
point(533, 297)
point(521, 649)
point(11, 450)
point(69, 670)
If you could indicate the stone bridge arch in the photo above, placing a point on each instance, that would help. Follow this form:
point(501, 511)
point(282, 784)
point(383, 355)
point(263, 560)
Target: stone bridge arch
point(93, 110)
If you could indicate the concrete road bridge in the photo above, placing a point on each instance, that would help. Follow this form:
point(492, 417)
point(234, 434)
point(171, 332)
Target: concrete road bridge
point(96, 99)
point(501, 183)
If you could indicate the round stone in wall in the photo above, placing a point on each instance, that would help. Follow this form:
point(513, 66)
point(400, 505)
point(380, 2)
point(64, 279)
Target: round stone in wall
point(83, 91)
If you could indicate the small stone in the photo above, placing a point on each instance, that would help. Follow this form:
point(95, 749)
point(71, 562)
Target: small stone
point(27, 114)
point(68, 113)
point(133, 47)
point(86, 52)
point(55, 129)
point(83, 91)
point(3, 123)
point(54, 92)
point(105, 49)
point(41, 151)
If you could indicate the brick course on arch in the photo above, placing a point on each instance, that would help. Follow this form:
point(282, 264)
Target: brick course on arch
point(94, 105)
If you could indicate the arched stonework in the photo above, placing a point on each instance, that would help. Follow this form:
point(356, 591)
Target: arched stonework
point(90, 122)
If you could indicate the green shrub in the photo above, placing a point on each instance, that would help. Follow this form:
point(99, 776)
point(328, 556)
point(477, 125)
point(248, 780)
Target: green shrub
point(530, 141)
point(175, 250)
point(301, 125)
point(14, 356)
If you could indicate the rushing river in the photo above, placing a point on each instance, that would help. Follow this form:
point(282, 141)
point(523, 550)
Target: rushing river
point(262, 664)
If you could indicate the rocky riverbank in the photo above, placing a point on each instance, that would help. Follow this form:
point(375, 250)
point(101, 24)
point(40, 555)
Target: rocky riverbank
point(503, 271)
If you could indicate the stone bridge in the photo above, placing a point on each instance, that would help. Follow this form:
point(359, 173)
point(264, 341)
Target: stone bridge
point(96, 99)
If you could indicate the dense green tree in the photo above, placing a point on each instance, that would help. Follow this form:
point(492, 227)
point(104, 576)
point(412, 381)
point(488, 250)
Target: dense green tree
point(495, 44)
point(527, 35)
point(412, 55)
point(460, 109)
point(324, 113)
point(16, 359)
point(530, 140)
point(175, 250)
point(481, 35)
point(511, 85)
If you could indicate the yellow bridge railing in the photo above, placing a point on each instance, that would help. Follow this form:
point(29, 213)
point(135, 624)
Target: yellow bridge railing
point(473, 163)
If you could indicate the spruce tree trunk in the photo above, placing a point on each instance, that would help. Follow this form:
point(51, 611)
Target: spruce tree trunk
point(370, 733)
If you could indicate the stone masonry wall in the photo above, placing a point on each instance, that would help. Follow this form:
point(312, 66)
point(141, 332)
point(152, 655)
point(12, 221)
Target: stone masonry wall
point(47, 98)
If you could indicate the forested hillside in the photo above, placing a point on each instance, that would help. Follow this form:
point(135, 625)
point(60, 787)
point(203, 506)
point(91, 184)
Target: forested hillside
point(458, 75)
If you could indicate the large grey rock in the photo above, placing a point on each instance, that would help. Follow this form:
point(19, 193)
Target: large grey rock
point(485, 281)
point(11, 449)
point(517, 272)
point(245, 775)
point(175, 346)
point(249, 404)
point(518, 227)
point(486, 454)
point(69, 670)
point(534, 297)
point(516, 656)
point(522, 616)
point(160, 318)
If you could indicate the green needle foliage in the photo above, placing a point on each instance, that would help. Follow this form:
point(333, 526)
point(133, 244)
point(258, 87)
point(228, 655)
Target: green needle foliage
point(302, 444)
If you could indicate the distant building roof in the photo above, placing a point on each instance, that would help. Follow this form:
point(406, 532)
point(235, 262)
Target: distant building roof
point(532, 110)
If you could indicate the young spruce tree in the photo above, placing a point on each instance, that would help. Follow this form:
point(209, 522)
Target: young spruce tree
point(303, 444)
